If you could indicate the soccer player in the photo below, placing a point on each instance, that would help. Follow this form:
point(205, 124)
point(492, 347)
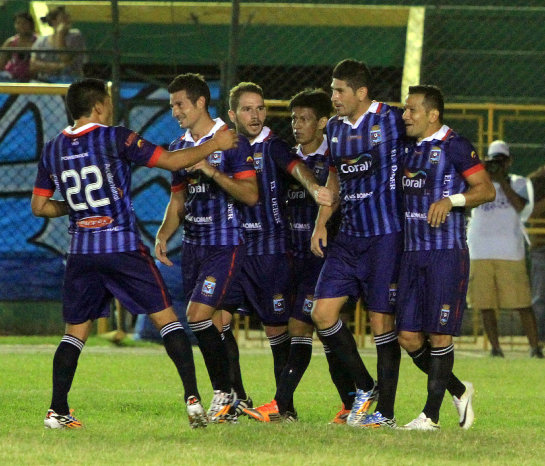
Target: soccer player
point(204, 199)
point(365, 141)
point(442, 175)
point(90, 165)
point(265, 282)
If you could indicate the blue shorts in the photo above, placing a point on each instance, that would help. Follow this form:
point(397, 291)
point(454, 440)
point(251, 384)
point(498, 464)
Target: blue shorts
point(305, 276)
point(432, 291)
point(362, 267)
point(92, 280)
point(264, 288)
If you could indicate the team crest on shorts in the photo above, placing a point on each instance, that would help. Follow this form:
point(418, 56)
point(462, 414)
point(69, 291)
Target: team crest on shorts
point(307, 305)
point(392, 294)
point(445, 313)
point(435, 154)
point(278, 303)
point(376, 134)
point(208, 286)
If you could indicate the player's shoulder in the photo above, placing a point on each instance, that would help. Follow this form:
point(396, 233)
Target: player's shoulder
point(458, 143)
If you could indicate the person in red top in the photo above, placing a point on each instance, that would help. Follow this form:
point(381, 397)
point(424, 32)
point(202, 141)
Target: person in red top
point(17, 67)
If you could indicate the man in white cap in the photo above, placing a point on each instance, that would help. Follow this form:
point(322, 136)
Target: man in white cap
point(498, 276)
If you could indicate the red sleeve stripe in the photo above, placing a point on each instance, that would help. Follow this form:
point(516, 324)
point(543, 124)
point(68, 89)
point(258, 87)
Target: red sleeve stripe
point(292, 165)
point(177, 188)
point(474, 169)
point(43, 192)
point(154, 157)
point(245, 174)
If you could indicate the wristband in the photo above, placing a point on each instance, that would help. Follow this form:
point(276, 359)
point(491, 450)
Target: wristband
point(457, 200)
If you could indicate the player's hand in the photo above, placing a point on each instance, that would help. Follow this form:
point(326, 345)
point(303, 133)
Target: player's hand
point(225, 138)
point(204, 167)
point(438, 212)
point(318, 241)
point(161, 252)
point(323, 196)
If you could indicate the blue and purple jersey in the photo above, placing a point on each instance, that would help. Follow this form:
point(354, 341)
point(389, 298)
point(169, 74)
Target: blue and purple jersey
point(301, 208)
point(264, 224)
point(435, 168)
point(365, 155)
point(91, 168)
point(212, 215)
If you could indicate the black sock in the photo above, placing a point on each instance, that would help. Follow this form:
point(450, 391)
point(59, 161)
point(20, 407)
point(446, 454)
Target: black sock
point(388, 358)
point(421, 358)
point(213, 352)
point(341, 378)
point(298, 361)
point(178, 347)
point(65, 363)
point(442, 361)
point(339, 339)
point(235, 376)
point(280, 346)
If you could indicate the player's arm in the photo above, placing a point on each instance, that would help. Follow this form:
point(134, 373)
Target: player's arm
point(172, 219)
point(183, 158)
point(518, 202)
point(43, 206)
point(319, 235)
point(480, 190)
point(321, 194)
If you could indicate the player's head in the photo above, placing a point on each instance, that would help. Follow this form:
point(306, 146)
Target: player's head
point(24, 23)
point(424, 109)
point(350, 87)
point(189, 98)
point(56, 16)
point(310, 110)
point(247, 109)
point(89, 95)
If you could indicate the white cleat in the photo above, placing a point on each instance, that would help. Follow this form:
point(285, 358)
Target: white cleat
point(421, 423)
point(464, 406)
point(195, 413)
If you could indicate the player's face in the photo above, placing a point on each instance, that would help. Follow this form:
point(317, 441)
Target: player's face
point(345, 100)
point(250, 115)
point(305, 126)
point(22, 26)
point(184, 110)
point(416, 117)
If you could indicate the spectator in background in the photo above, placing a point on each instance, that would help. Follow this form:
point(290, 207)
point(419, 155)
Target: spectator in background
point(17, 67)
point(498, 276)
point(58, 67)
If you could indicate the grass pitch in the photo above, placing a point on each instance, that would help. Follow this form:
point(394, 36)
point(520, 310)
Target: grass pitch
point(129, 399)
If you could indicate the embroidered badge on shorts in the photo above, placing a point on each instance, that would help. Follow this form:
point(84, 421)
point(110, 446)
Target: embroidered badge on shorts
point(208, 286)
point(307, 305)
point(278, 303)
point(445, 313)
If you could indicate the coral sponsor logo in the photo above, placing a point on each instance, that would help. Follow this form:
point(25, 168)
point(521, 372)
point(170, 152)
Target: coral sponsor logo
point(94, 222)
point(363, 163)
point(414, 181)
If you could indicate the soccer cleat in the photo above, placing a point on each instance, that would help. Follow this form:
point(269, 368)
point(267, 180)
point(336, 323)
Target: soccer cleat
point(239, 405)
point(289, 417)
point(195, 413)
point(536, 353)
point(496, 353)
point(61, 421)
point(377, 421)
point(362, 405)
point(265, 413)
point(465, 407)
point(220, 407)
point(421, 423)
point(340, 417)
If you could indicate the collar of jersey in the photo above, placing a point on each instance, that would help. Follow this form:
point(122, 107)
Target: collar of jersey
point(438, 135)
point(218, 123)
point(372, 109)
point(68, 131)
point(320, 151)
point(265, 133)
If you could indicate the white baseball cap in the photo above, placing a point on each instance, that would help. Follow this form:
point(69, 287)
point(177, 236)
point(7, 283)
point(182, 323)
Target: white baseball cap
point(497, 149)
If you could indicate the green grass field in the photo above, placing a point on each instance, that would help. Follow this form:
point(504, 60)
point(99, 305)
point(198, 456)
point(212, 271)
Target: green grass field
point(129, 399)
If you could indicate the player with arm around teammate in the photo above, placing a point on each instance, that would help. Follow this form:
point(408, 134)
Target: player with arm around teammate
point(442, 175)
point(90, 165)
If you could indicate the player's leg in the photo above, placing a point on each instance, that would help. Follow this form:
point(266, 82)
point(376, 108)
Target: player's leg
point(529, 324)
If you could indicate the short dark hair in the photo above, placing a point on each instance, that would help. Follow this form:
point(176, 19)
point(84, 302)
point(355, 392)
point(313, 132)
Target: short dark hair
point(194, 86)
point(316, 99)
point(26, 16)
point(241, 88)
point(83, 94)
point(433, 98)
point(355, 73)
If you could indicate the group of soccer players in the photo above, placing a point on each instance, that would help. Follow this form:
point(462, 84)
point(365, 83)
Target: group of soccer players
point(260, 225)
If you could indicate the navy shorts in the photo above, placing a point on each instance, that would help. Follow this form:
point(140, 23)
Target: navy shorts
point(209, 271)
point(263, 287)
point(362, 267)
point(432, 291)
point(92, 280)
point(305, 276)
